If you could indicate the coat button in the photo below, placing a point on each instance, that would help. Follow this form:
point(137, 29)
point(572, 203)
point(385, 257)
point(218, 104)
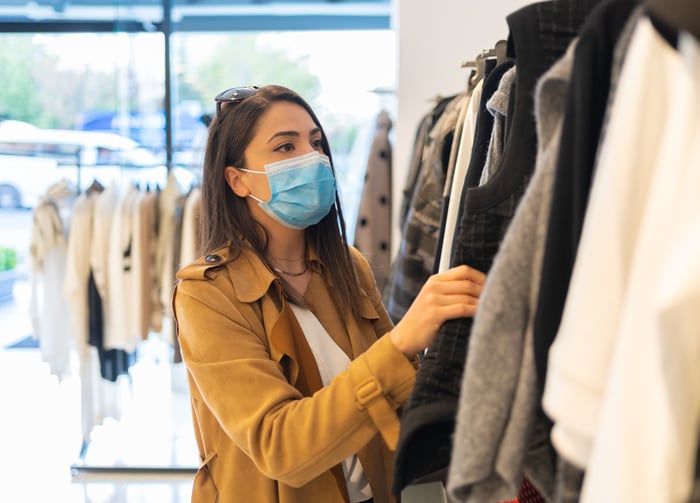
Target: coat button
point(212, 258)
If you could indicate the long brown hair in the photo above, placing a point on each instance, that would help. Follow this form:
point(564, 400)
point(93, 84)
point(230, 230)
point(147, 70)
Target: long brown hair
point(225, 216)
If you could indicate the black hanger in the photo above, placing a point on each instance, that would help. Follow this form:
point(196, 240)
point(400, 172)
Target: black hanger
point(95, 186)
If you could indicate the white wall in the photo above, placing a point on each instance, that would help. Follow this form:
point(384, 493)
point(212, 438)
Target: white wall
point(434, 38)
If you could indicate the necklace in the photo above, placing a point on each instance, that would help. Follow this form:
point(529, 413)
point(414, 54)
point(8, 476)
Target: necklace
point(293, 274)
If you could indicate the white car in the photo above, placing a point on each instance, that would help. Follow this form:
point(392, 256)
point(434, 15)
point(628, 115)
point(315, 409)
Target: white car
point(32, 159)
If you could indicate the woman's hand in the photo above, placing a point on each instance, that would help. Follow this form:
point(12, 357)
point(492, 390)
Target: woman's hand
point(452, 294)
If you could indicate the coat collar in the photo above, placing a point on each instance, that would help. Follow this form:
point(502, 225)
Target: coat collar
point(249, 275)
point(252, 278)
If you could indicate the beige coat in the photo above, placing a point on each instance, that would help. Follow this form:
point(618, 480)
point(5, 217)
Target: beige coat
point(266, 429)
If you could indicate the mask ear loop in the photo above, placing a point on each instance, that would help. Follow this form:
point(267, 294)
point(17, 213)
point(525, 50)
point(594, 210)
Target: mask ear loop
point(254, 173)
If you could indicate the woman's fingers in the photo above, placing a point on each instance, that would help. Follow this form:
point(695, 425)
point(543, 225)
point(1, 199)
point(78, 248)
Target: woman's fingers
point(452, 294)
point(463, 272)
point(458, 287)
point(464, 309)
point(457, 281)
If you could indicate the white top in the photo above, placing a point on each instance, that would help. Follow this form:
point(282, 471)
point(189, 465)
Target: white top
point(103, 213)
point(47, 265)
point(120, 277)
point(623, 387)
point(332, 360)
point(646, 441)
point(460, 173)
point(75, 290)
point(78, 266)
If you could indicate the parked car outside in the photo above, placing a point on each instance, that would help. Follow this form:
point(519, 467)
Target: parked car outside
point(32, 159)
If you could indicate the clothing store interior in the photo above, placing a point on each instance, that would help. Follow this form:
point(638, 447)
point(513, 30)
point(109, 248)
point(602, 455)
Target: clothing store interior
point(490, 135)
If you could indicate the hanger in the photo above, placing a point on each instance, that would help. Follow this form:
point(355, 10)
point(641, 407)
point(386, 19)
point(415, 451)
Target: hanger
point(501, 50)
point(95, 186)
point(479, 63)
point(62, 189)
point(474, 63)
point(680, 14)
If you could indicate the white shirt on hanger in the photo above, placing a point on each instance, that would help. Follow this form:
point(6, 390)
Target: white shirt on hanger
point(610, 379)
point(460, 172)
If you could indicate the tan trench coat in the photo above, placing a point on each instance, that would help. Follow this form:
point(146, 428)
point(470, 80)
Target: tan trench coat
point(266, 429)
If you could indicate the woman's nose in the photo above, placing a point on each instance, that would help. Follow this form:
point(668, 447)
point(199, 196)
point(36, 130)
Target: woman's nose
point(308, 149)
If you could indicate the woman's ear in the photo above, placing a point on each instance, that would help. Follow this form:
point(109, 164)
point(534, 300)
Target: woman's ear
point(233, 178)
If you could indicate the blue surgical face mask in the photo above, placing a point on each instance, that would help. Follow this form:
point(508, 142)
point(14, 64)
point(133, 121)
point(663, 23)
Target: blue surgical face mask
point(303, 190)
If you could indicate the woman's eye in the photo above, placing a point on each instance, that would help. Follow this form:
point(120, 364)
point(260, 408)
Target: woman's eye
point(286, 147)
point(317, 144)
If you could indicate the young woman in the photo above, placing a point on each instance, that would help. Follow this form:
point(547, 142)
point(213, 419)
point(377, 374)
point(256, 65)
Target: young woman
point(295, 370)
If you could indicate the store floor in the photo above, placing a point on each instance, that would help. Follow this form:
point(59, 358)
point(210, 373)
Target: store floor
point(147, 454)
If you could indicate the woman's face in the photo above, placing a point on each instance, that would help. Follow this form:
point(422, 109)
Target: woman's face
point(284, 131)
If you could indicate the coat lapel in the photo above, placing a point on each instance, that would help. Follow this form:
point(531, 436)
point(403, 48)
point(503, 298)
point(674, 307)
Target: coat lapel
point(290, 348)
point(288, 340)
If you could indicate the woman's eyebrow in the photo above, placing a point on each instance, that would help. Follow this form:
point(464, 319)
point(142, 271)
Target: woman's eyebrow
point(283, 133)
point(294, 134)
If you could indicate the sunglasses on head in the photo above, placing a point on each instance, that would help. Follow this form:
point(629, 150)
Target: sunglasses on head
point(234, 95)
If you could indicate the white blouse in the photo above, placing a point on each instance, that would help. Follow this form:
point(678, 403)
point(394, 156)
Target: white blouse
point(332, 360)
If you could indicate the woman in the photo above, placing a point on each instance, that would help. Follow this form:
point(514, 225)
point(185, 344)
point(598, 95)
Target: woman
point(294, 368)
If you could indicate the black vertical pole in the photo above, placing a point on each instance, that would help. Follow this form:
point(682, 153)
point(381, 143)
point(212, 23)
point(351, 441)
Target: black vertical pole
point(167, 29)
